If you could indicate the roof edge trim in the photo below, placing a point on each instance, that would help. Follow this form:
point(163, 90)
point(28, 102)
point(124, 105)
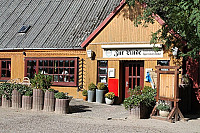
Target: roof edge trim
point(103, 24)
point(39, 48)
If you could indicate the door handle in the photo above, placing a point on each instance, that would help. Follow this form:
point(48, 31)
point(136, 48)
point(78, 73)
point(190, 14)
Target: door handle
point(127, 83)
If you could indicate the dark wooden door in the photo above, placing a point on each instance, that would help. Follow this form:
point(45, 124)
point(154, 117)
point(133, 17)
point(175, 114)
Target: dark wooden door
point(134, 76)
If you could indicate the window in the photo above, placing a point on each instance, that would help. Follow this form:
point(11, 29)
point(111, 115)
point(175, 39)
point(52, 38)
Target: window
point(5, 71)
point(163, 62)
point(24, 29)
point(63, 70)
point(102, 70)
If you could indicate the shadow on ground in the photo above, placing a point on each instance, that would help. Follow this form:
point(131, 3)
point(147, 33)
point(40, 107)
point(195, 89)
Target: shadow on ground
point(192, 116)
point(79, 108)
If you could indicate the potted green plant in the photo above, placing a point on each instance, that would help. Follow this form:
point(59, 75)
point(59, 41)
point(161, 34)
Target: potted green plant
point(84, 93)
point(40, 83)
point(109, 98)
point(163, 108)
point(91, 92)
point(27, 99)
point(100, 92)
point(6, 90)
point(141, 101)
point(62, 103)
point(49, 100)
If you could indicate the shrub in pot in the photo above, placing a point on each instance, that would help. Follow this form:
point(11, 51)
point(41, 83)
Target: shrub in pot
point(40, 83)
point(100, 92)
point(141, 101)
point(49, 100)
point(109, 98)
point(85, 93)
point(91, 92)
point(27, 100)
point(6, 92)
point(62, 103)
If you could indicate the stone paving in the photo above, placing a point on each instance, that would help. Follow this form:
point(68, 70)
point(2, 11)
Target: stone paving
point(89, 118)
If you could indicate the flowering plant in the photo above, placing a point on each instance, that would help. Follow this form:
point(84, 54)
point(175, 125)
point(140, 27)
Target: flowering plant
point(110, 95)
point(163, 106)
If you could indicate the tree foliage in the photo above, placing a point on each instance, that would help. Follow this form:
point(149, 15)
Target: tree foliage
point(182, 17)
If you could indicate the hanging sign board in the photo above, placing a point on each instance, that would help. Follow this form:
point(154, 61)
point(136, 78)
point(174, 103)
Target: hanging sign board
point(132, 53)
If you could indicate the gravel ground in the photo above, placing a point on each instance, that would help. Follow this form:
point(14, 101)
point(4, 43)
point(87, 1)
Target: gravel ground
point(89, 118)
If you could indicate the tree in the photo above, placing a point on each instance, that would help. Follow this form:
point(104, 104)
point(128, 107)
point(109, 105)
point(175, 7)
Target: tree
point(182, 21)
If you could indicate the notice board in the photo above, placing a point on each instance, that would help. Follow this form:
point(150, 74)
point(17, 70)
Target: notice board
point(113, 86)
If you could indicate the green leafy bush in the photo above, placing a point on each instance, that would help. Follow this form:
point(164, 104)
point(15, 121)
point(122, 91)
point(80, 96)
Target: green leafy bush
point(101, 86)
point(92, 87)
point(138, 96)
point(29, 93)
point(84, 93)
point(110, 95)
point(60, 95)
point(41, 81)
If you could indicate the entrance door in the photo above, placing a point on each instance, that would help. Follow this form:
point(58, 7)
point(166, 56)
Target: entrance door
point(134, 76)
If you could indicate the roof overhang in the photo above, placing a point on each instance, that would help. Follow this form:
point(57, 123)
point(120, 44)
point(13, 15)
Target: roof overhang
point(131, 46)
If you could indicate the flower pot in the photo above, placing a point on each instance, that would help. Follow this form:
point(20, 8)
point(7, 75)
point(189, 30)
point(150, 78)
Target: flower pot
point(62, 106)
point(6, 103)
point(49, 101)
point(100, 96)
point(85, 98)
point(163, 113)
point(91, 96)
point(16, 99)
point(38, 99)
point(109, 101)
point(27, 102)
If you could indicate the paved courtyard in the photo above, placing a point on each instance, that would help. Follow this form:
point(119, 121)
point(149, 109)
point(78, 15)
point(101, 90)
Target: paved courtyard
point(89, 118)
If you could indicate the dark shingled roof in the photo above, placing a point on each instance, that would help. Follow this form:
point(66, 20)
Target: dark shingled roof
point(53, 23)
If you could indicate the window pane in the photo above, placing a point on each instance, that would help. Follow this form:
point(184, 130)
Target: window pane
point(103, 79)
point(61, 71)
point(45, 70)
point(55, 78)
point(134, 70)
point(130, 83)
point(29, 62)
point(45, 62)
point(103, 63)
point(8, 64)
point(61, 63)
point(102, 70)
point(28, 70)
point(138, 81)
point(66, 63)
point(55, 63)
point(71, 70)
point(50, 70)
point(71, 63)
point(3, 73)
point(163, 62)
point(130, 70)
point(66, 71)
point(66, 78)
point(71, 78)
point(40, 70)
point(50, 63)
point(8, 73)
point(55, 70)
point(60, 78)
point(40, 63)
point(138, 70)
point(3, 64)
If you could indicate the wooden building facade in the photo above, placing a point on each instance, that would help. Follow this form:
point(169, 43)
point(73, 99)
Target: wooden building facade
point(79, 45)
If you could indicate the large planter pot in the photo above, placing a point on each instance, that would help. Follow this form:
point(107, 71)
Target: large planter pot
point(109, 101)
point(49, 101)
point(6, 103)
point(100, 96)
point(163, 113)
point(62, 106)
point(16, 99)
point(27, 102)
point(38, 99)
point(91, 96)
point(141, 112)
point(85, 98)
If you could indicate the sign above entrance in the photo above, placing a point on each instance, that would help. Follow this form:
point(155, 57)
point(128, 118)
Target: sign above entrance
point(132, 53)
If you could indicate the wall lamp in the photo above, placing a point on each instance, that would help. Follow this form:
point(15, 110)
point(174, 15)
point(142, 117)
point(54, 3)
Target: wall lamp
point(24, 53)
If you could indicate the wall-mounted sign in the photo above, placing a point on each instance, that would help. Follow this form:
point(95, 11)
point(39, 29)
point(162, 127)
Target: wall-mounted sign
point(132, 53)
